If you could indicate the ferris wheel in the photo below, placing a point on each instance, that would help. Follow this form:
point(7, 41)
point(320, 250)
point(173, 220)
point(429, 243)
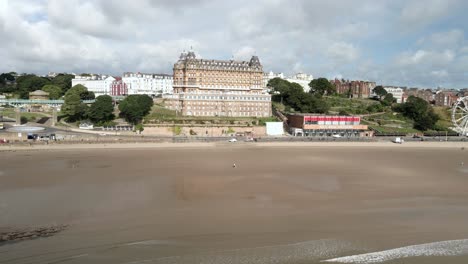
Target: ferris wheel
point(460, 115)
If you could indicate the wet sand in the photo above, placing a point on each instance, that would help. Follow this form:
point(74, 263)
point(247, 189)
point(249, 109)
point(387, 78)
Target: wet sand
point(187, 204)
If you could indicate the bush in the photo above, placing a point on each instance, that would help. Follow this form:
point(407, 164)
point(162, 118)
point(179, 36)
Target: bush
point(343, 112)
point(139, 128)
point(177, 130)
point(375, 108)
point(106, 123)
point(23, 120)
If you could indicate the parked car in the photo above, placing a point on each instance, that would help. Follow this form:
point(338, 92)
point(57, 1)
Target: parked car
point(233, 140)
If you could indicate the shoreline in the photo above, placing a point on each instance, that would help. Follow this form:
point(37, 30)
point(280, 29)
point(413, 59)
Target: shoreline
point(146, 145)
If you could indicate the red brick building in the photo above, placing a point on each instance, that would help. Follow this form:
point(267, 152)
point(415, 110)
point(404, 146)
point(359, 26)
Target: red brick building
point(445, 98)
point(118, 87)
point(354, 89)
point(427, 94)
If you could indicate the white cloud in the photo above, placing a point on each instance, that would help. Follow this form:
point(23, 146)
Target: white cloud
point(426, 57)
point(244, 53)
point(343, 52)
point(320, 38)
point(440, 73)
point(450, 39)
point(159, 57)
point(463, 50)
point(417, 14)
point(84, 18)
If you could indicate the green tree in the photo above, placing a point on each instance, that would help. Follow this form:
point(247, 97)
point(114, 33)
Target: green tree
point(321, 86)
point(388, 99)
point(313, 104)
point(54, 91)
point(420, 111)
point(101, 110)
point(64, 81)
point(379, 91)
point(134, 107)
point(29, 83)
point(293, 96)
point(4, 77)
point(81, 91)
point(279, 86)
point(88, 96)
point(7, 76)
point(73, 108)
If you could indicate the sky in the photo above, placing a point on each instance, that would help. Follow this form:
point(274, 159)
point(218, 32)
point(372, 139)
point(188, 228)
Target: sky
point(415, 43)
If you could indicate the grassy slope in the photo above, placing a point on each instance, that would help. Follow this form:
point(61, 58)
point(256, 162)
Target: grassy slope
point(390, 123)
point(445, 118)
point(10, 112)
point(351, 106)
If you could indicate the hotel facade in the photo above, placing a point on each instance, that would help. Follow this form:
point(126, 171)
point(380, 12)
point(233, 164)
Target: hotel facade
point(230, 88)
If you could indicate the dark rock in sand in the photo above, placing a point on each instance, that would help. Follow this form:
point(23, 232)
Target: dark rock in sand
point(30, 233)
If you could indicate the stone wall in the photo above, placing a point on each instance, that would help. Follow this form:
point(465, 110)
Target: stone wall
point(168, 130)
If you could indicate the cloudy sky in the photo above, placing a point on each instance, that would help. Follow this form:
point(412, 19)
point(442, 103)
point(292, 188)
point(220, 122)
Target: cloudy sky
point(397, 42)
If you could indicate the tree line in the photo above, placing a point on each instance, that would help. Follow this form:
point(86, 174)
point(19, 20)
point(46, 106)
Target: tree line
point(133, 108)
point(292, 95)
point(22, 85)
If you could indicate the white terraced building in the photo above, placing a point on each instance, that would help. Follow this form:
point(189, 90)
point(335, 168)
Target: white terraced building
point(135, 83)
point(98, 84)
point(397, 93)
point(147, 83)
point(300, 78)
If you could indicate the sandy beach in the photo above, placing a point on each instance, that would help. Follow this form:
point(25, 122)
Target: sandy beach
point(282, 203)
point(184, 145)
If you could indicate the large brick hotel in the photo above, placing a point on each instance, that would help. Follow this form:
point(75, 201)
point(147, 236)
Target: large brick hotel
point(313, 125)
point(218, 88)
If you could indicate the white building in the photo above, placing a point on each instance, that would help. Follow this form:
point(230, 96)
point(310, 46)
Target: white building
point(302, 79)
point(150, 84)
point(397, 93)
point(136, 83)
point(98, 84)
point(299, 78)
